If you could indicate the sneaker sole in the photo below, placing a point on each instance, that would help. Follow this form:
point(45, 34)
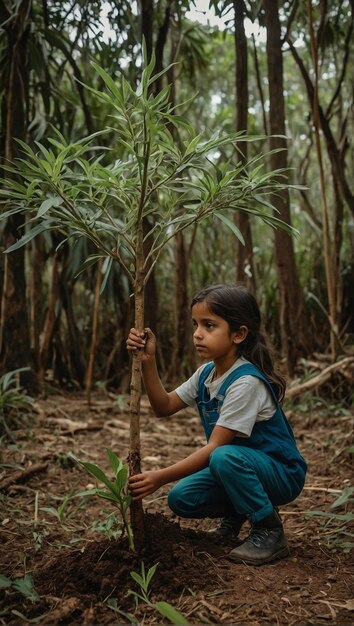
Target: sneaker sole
point(281, 554)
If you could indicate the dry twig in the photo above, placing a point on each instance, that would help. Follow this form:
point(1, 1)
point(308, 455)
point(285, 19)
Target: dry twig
point(344, 367)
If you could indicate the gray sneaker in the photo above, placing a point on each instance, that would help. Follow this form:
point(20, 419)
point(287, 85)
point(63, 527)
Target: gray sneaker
point(263, 545)
point(228, 527)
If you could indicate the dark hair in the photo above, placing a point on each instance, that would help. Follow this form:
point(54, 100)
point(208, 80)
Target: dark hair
point(237, 306)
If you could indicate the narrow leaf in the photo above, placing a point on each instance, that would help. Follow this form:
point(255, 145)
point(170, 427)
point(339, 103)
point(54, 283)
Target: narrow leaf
point(167, 610)
point(115, 462)
point(231, 225)
point(27, 237)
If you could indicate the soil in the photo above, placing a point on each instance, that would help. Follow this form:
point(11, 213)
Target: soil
point(83, 576)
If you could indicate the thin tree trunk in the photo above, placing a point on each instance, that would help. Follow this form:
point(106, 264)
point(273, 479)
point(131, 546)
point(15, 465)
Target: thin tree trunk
point(147, 13)
point(38, 257)
point(95, 316)
point(136, 509)
point(147, 19)
point(329, 257)
point(76, 366)
point(244, 253)
point(259, 85)
point(182, 312)
point(335, 153)
point(160, 44)
point(15, 348)
point(181, 265)
point(292, 320)
point(49, 325)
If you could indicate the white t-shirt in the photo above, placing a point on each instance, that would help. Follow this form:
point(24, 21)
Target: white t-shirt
point(246, 402)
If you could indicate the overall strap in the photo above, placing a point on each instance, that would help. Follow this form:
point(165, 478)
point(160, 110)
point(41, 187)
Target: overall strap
point(202, 378)
point(248, 369)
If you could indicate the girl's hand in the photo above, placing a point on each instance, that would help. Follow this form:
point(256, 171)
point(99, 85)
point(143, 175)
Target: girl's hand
point(142, 485)
point(144, 341)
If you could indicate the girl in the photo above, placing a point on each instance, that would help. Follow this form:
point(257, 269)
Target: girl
point(250, 463)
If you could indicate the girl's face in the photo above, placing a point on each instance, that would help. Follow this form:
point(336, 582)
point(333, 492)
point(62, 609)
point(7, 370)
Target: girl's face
point(212, 337)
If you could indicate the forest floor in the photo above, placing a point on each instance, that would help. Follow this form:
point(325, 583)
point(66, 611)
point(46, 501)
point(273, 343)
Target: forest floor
point(81, 576)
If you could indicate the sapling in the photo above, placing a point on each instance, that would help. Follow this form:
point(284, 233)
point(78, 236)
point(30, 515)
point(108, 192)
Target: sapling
point(116, 489)
point(135, 196)
point(164, 608)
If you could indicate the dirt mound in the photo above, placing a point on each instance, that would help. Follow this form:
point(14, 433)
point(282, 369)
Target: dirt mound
point(183, 557)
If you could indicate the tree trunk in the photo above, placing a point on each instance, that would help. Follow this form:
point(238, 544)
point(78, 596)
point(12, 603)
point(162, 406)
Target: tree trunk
point(147, 19)
point(38, 258)
point(136, 508)
point(182, 311)
point(147, 13)
point(96, 306)
point(15, 348)
point(292, 320)
point(151, 298)
point(259, 85)
point(244, 253)
point(50, 320)
point(181, 264)
point(330, 256)
point(76, 366)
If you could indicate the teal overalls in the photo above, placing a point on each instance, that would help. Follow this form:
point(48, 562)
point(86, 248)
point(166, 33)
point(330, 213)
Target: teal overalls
point(251, 475)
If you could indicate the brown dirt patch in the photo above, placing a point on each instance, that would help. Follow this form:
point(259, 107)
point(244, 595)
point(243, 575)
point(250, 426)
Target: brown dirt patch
point(77, 571)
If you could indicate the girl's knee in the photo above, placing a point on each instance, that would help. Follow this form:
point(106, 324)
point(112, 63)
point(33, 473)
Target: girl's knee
point(176, 502)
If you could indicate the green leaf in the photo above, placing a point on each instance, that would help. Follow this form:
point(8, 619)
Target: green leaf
point(115, 462)
point(27, 237)
point(138, 579)
point(151, 573)
point(100, 475)
point(112, 604)
point(346, 517)
point(9, 378)
point(91, 260)
point(53, 201)
point(86, 492)
point(107, 495)
point(106, 268)
point(122, 477)
point(345, 497)
point(25, 586)
point(5, 582)
point(193, 145)
point(109, 82)
point(231, 225)
point(167, 610)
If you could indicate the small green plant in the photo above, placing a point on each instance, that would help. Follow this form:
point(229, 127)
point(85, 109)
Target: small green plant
point(113, 604)
point(38, 539)
point(23, 585)
point(336, 525)
point(13, 399)
point(64, 510)
point(143, 580)
point(60, 512)
point(116, 489)
point(164, 608)
point(108, 527)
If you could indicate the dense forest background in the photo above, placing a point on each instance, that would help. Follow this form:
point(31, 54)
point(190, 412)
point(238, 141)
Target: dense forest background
point(271, 69)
